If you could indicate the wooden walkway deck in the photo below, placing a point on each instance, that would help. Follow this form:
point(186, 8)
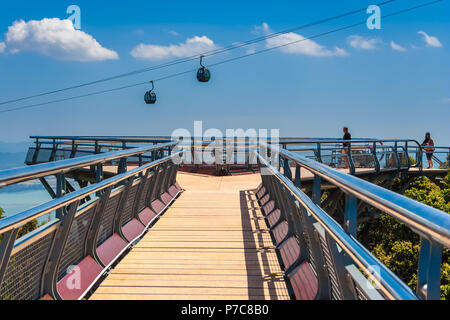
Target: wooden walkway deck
point(212, 243)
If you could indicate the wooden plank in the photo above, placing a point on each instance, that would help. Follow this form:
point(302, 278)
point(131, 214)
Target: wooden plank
point(190, 290)
point(191, 297)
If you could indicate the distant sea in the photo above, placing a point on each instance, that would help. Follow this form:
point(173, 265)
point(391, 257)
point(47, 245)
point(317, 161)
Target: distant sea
point(18, 198)
point(19, 201)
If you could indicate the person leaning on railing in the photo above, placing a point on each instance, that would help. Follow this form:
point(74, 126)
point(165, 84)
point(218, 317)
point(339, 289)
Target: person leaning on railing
point(427, 143)
point(346, 146)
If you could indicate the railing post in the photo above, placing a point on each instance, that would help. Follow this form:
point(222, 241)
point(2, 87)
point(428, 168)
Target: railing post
point(350, 160)
point(408, 160)
point(298, 178)
point(60, 189)
point(143, 183)
point(50, 274)
point(152, 192)
point(350, 217)
point(6, 247)
point(375, 157)
point(339, 261)
point(287, 169)
point(94, 228)
point(117, 222)
point(317, 190)
point(140, 165)
point(99, 173)
point(429, 275)
point(122, 166)
point(319, 153)
point(53, 154)
point(397, 158)
point(73, 152)
point(36, 152)
point(165, 177)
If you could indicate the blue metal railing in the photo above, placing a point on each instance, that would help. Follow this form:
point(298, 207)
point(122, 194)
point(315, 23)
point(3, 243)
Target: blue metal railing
point(12, 176)
point(33, 266)
point(431, 224)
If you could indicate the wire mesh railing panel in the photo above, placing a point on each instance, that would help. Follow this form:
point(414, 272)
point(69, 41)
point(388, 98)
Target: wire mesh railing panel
point(75, 249)
point(127, 213)
point(363, 159)
point(142, 203)
point(403, 157)
point(360, 294)
point(30, 155)
point(44, 155)
point(62, 154)
point(336, 160)
point(83, 153)
point(335, 291)
point(24, 271)
point(387, 159)
point(107, 220)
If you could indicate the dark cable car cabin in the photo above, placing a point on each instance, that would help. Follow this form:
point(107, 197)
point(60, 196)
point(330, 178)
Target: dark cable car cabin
point(150, 96)
point(203, 74)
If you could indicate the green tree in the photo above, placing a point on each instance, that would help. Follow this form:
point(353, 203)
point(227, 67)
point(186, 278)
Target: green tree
point(446, 189)
point(423, 190)
point(397, 246)
point(27, 228)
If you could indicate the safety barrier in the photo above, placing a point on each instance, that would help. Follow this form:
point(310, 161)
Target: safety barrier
point(322, 259)
point(355, 155)
point(66, 257)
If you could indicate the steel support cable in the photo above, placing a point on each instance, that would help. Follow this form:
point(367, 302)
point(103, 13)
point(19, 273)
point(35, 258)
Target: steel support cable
point(221, 62)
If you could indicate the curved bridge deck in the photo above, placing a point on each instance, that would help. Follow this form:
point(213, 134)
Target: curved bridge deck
point(212, 243)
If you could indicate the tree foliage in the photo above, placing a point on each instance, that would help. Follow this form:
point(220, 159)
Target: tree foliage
point(27, 228)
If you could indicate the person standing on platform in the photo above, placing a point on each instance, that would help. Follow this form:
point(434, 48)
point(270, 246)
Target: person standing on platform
point(428, 145)
point(346, 145)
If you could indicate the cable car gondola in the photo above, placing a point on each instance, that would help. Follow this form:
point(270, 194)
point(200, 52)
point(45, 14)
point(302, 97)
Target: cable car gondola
point(150, 96)
point(203, 74)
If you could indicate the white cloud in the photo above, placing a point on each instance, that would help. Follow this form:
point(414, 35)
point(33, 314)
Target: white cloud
point(2, 47)
point(55, 38)
point(430, 40)
point(263, 28)
point(397, 47)
point(174, 33)
point(362, 43)
point(251, 50)
point(192, 46)
point(300, 44)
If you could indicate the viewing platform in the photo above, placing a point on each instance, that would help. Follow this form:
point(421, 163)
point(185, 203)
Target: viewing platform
point(128, 220)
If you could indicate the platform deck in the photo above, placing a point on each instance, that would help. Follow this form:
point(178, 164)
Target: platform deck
point(212, 243)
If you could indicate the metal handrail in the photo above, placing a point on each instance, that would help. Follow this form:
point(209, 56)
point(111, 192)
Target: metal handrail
point(20, 219)
point(429, 222)
point(12, 176)
point(150, 138)
point(389, 283)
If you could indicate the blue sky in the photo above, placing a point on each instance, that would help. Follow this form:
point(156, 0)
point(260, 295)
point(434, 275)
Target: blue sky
point(307, 91)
